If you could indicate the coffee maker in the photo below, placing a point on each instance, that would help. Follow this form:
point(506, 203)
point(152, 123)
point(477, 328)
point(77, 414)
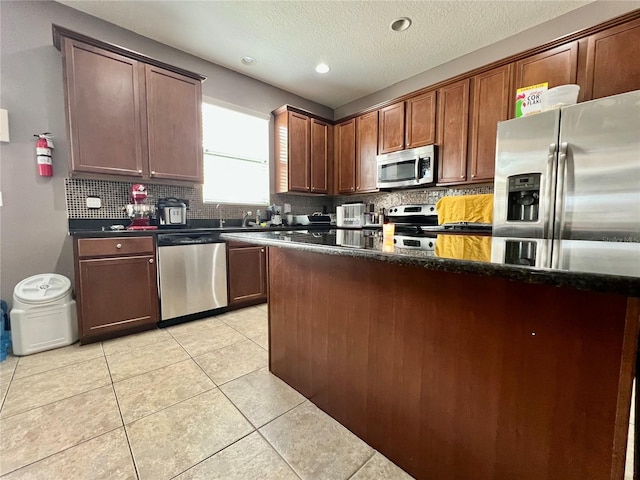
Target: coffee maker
point(137, 210)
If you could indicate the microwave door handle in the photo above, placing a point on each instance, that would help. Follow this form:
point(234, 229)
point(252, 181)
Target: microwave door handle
point(417, 168)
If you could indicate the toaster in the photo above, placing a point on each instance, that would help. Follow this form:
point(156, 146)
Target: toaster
point(352, 215)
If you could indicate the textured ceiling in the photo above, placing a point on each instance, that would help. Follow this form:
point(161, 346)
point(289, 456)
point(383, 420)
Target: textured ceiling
point(288, 38)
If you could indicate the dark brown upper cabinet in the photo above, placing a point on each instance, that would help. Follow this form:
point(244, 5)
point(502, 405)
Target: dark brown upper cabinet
point(557, 66)
point(129, 115)
point(366, 152)
point(321, 133)
point(453, 130)
point(420, 123)
point(303, 152)
point(613, 61)
point(491, 102)
point(104, 114)
point(391, 128)
point(346, 156)
point(174, 125)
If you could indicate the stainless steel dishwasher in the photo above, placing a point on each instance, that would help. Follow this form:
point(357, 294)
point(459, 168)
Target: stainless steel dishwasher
point(192, 274)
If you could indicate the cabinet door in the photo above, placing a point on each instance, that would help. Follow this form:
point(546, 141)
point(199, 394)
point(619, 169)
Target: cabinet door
point(491, 100)
point(174, 125)
point(319, 156)
point(366, 152)
point(453, 126)
point(298, 152)
point(116, 293)
point(103, 116)
point(557, 66)
point(247, 275)
point(613, 61)
point(391, 130)
point(421, 120)
point(346, 149)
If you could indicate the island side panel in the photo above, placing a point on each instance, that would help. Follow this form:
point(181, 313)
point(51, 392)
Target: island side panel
point(456, 376)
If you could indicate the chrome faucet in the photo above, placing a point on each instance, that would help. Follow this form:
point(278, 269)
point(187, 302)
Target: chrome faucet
point(220, 216)
point(245, 217)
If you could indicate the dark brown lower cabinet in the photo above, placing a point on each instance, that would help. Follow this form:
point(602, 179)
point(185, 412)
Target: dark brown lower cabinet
point(247, 274)
point(116, 287)
point(458, 376)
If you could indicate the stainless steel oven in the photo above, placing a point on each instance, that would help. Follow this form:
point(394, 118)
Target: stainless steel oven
point(415, 167)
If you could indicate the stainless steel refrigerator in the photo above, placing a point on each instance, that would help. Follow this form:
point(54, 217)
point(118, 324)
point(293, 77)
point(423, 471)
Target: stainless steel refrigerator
point(567, 188)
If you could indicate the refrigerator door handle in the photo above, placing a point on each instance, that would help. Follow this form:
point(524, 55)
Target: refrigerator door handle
point(548, 195)
point(562, 170)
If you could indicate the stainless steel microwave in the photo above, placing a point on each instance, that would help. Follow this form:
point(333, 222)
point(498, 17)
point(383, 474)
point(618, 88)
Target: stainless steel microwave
point(415, 167)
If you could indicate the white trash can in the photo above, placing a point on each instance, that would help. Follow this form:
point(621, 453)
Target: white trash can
point(43, 314)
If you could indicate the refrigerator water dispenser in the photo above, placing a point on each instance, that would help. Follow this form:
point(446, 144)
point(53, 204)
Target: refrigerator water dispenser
point(524, 198)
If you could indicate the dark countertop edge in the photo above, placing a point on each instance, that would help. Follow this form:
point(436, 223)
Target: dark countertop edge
point(622, 285)
point(88, 233)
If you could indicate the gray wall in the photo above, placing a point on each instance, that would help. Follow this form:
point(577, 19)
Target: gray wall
point(33, 220)
point(581, 18)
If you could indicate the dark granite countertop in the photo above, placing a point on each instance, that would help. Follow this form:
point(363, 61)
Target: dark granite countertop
point(587, 264)
point(101, 228)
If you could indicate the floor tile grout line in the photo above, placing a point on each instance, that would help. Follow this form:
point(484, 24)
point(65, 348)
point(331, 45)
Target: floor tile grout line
point(365, 462)
point(145, 345)
point(63, 450)
point(169, 406)
point(212, 455)
point(3, 417)
point(55, 368)
point(15, 367)
point(124, 427)
point(133, 336)
point(278, 453)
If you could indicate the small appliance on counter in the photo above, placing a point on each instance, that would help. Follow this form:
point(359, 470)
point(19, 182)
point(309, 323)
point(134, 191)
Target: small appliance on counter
point(316, 219)
point(351, 215)
point(138, 211)
point(172, 212)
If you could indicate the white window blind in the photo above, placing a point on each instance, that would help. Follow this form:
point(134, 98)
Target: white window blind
point(236, 156)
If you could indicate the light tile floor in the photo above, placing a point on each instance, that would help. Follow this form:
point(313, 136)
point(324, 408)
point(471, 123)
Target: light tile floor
point(193, 402)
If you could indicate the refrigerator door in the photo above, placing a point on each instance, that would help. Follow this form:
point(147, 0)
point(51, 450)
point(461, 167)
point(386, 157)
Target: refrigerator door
point(598, 192)
point(612, 258)
point(524, 186)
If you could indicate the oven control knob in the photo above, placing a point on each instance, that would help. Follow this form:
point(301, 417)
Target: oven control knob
point(430, 244)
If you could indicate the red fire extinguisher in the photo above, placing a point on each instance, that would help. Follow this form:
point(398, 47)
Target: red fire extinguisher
point(44, 145)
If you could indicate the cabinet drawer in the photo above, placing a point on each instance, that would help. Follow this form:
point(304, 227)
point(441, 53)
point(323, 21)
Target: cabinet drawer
point(103, 247)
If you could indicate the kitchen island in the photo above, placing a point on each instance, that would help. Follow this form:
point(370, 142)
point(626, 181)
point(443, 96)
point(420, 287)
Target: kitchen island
point(456, 368)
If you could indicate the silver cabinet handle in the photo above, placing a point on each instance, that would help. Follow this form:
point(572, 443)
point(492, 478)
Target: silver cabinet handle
point(151, 260)
point(153, 172)
point(119, 245)
point(139, 171)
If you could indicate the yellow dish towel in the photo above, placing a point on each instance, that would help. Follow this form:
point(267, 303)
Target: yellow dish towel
point(464, 247)
point(465, 208)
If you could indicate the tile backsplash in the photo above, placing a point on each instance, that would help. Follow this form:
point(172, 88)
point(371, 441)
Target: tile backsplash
point(115, 195)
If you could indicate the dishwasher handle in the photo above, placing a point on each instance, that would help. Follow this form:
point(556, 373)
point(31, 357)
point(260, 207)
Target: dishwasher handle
point(187, 239)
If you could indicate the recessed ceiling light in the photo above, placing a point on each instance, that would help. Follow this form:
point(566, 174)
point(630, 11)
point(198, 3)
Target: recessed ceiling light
point(322, 68)
point(401, 24)
point(248, 61)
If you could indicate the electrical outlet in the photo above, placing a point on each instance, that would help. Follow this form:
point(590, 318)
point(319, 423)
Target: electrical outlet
point(94, 202)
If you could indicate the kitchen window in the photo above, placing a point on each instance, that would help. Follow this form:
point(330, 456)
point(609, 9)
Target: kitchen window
point(236, 155)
